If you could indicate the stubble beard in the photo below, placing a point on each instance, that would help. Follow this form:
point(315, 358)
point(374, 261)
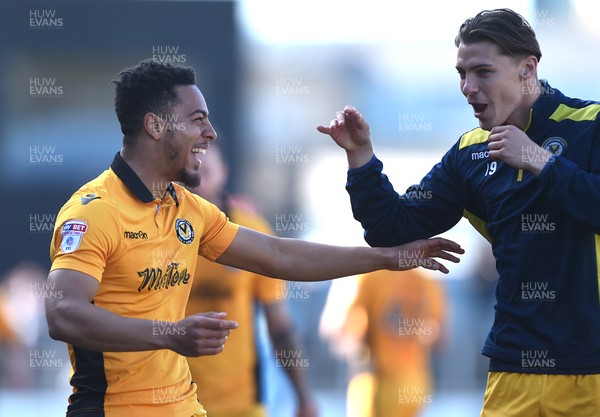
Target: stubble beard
point(187, 178)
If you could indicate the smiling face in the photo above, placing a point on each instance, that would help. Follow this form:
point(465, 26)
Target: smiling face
point(187, 134)
point(497, 86)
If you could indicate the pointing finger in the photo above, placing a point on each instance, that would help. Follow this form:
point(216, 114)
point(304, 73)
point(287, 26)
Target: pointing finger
point(323, 129)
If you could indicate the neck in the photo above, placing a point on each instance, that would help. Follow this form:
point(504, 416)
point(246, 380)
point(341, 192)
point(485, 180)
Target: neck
point(530, 96)
point(145, 167)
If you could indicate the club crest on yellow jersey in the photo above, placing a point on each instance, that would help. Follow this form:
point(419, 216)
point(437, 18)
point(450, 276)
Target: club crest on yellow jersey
point(184, 231)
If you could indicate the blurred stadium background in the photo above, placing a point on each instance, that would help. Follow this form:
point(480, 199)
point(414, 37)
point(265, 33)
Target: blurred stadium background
point(271, 71)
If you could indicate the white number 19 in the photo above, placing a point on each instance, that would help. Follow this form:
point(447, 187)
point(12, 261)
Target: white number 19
point(490, 168)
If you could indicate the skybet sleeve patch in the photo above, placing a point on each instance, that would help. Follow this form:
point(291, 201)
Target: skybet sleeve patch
point(72, 233)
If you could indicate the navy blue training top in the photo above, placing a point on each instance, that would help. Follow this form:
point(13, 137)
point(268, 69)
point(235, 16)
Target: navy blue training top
point(544, 232)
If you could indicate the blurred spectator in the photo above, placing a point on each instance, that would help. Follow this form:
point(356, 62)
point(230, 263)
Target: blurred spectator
point(228, 382)
point(7, 333)
point(27, 361)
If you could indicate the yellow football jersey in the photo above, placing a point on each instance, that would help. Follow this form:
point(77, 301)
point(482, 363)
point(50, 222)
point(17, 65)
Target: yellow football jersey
point(405, 311)
point(143, 252)
point(227, 382)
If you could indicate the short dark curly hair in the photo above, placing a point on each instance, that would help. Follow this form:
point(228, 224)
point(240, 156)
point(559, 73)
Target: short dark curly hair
point(147, 87)
point(504, 27)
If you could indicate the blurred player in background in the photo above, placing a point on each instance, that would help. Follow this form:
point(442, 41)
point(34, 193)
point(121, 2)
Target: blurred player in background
point(228, 383)
point(393, 322)
point(7, 333)
point(22, 326)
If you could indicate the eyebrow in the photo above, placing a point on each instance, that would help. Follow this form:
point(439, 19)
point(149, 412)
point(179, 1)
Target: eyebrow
point(474, 67)
point(201, 112)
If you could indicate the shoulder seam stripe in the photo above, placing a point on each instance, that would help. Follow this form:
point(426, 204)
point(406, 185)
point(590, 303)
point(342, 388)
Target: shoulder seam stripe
point(478, 224)
point(587, 113)
point(473, 137)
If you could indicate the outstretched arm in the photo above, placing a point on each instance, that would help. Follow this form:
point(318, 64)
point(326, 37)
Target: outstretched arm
point(299, 260)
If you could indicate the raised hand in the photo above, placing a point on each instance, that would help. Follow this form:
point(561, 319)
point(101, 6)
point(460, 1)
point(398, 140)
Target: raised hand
point(511, 145)
point(351, 132)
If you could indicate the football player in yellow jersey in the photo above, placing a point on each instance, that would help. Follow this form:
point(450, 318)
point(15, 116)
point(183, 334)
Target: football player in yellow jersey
point(388, 332)
point(125, 246)
point(227, 383)
point(405, 315)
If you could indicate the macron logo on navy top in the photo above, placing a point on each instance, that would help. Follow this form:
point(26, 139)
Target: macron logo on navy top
point(479, 155)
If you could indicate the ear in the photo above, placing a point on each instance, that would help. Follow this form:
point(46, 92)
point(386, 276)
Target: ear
point(528, 67)
point(153, 125)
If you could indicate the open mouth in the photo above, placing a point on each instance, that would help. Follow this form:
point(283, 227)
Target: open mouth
point(197, 151)
point(479, 108)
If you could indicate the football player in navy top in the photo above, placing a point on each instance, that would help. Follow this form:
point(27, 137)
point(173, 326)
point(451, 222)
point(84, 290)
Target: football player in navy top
point(528, 180)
